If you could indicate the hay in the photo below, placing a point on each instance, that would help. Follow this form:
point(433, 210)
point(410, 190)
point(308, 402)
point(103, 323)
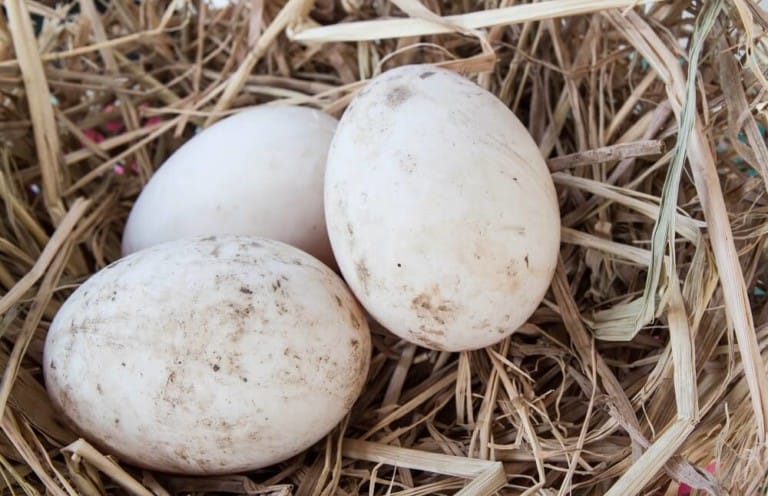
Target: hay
point(653, 118)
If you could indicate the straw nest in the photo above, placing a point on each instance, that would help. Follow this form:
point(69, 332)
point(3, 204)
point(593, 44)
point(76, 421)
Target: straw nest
point(643, 371)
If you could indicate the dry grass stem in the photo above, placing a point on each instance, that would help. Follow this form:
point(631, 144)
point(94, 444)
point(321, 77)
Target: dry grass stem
point(643, 370)
point(401, 28)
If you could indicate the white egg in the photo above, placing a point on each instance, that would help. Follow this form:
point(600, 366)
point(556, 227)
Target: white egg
point(258, 172)
point(441, 211)
point(208, 355)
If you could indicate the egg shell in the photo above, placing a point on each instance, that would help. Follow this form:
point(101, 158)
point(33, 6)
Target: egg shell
point(258, 172)
point(441, 211)
point(208, 355)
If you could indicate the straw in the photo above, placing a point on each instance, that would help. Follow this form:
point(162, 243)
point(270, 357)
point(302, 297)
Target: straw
point(644, 369)
point(401, 28)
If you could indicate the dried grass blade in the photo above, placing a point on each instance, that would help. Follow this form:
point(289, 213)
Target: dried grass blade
point(109, 143)
point(337, 452)
point(232, 86)
point(45, 456)
point(609, 153)
point(84, 483)
point(708, 186)
point(480, 443)
point(40, 108)
point(664, 230)
point(399, 375)
point(745, 14)
point(59, 239)
point(688, 227)
point(11, 429)
point(29, 327)
point(417, 10)
point(565, 487)
point(486, 483)
point(683, 354)
point(629, 104)
point(645, 469)
point(126, 107)
point(18, 479)
point(106, 166)
point(739, 113)
point(142, 36)
point(17, 211)
point(168, 96)
point(415, 459)
point(235, 484)
point(409, 406)
point(522, 410)
point(401, 28)
point(582, 342)
point(627, 253)
point(488, 476)
point(82, 449)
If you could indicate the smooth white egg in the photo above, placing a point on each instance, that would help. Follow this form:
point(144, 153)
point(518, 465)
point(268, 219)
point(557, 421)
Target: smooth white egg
point(258, 172)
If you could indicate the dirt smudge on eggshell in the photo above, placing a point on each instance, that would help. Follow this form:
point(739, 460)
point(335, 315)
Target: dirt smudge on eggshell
point(241, 337)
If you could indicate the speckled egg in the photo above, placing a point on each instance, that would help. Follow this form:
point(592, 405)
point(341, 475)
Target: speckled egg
point(208, 355)
point(441, 211)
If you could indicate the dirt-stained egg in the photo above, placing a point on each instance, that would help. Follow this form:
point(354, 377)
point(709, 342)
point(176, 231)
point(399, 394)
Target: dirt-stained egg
point(441, 211)
point(208, 355)
point(258, 172)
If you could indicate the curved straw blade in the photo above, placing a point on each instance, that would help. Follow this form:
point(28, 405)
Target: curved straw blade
point(401, 28)
point(488, 476)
